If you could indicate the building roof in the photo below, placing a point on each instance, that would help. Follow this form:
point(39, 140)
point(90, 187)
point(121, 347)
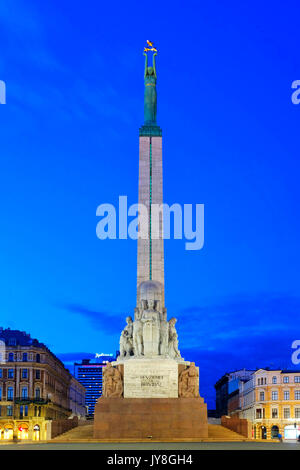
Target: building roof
point(21, 338)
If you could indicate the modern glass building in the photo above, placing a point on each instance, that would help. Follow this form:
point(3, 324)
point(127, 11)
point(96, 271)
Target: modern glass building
point(90, 374)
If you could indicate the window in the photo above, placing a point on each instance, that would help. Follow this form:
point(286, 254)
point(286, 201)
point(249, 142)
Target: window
point(23, 411)
point(11, 357)
point(12, 342)
point(297, 379)
point(38, 374)
point(24, 357)
point(297, 394)
point(274, 395)
point(274, 413)
point(10, 373)
point(37, 393)
point(297, 412)
point(0, 373)
point(286, 413)
point(24, 392)
point(9, 410)
point(258, 381)
point(262, 396)
point(258, 414)
point(286, 379)
point(10, 393)
point(24, 373)
point(274, 380)
point(286, 395)
point(38, 358)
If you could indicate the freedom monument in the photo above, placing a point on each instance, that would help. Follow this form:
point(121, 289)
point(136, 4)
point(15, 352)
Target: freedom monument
point(150, 391)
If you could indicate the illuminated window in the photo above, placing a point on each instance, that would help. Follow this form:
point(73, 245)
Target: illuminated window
point(10, 393)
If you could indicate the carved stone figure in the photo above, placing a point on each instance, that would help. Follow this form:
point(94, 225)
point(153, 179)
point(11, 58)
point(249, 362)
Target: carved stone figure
point(164, 334)
point(173, 340)
point(126, 339)
point(137, 334)
point(188, 383)
point(112, 382)
point(151, 329)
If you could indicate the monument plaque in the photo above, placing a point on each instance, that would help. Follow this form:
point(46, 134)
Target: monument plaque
point(151, 379)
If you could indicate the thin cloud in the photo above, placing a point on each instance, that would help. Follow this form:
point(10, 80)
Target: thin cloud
point(105, 322)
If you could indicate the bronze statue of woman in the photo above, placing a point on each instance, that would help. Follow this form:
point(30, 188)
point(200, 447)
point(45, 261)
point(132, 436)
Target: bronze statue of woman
point(150, 97)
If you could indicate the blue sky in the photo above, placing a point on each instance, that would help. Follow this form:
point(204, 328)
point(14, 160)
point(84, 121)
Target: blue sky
point(69, 142)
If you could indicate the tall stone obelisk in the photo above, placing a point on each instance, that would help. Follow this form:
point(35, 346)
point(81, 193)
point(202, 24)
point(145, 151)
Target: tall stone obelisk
point(150, 259)
point(150, 391)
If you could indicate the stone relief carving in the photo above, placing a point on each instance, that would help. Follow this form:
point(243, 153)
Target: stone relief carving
point(112, 382)
point(188, 383)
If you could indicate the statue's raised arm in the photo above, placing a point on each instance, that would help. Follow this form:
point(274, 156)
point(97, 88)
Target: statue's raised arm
point(146, 64)
point(154, 68)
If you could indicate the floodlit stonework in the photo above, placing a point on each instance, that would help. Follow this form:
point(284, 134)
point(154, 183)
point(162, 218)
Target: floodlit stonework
point(150, 390)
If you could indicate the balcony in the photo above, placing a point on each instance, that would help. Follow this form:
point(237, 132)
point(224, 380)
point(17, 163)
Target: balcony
point(28, 400)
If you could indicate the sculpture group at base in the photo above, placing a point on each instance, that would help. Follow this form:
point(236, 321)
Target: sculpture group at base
point(112, 382)
point(188, 382)
point(150, 334)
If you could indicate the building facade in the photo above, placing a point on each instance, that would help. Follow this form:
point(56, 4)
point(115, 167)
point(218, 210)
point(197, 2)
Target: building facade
point(34, 387)
point(270, 400)
point(227, 389)
point(90, 375)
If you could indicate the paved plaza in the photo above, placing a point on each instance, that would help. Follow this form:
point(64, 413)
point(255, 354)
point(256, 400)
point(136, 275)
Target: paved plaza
point(161, 446)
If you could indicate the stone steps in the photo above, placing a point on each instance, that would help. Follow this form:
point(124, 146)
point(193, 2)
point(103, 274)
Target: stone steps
point(216, 433)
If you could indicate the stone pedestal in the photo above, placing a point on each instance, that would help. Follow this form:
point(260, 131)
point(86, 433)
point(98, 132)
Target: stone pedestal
point(164, 419)
point(151, 406)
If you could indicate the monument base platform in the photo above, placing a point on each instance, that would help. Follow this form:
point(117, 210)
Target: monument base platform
point(156, 418)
